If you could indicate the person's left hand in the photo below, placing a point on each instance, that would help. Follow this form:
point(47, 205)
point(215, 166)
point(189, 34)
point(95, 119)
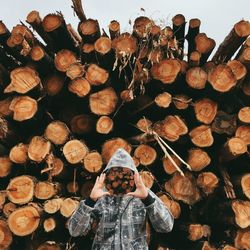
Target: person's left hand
point(141, 190)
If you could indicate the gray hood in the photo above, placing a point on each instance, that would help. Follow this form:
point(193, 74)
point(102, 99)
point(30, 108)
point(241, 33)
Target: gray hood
point(121, 158)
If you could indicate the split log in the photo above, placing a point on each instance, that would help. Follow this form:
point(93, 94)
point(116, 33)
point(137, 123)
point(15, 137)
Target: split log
point(92, 162)
point(6, 235)
point(183, 188)
point(232, 42)
point(23, 79)
point(172, 205)
point(146, 154)
point(49, 224)
point(63, 59)
point(74, 151)
point(171, 128)
point(57, 132)
point(19, 153)
point(147, 178)
point(205, 110)
point(68, 206)
point(233, 148)
point(193, 31)
point(104, 125)
point(103, 102)
point(45, 190)
point(222, 78)
point(24, 220)
point(204, 45)
point(38, 149)
point(196, 78)
point(21, 189)
point(5, 166)
point(114, 29)
point(243, 132)
point(201, 136)
point(56, 28)
point(198, 159)
point(207, 181)
point(53, 205)
point(110, 146)
point(80, 86)
point(82, 124)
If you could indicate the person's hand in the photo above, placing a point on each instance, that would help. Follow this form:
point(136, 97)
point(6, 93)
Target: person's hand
point(97, 191)
point(141, 190)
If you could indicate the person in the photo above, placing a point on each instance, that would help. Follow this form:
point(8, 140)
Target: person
point(122, 218)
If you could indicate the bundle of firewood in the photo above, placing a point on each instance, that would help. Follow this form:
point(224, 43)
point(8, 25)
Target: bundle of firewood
point(69, 99)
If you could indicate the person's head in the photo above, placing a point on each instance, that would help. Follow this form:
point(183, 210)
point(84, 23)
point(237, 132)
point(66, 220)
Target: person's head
point(120, 173)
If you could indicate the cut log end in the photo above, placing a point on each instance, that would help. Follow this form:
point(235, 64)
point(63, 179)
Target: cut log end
point(104, 125)
point(147, 178)
point(163, 100)
point(198, 159)
point(19, 153)
point(93, 162)
point(244, 115)
point(146, 154)
point(80, 87)
point(207, 181)
point(242, 213)
point(245, 185)
point(52, 22)
point(201, 136)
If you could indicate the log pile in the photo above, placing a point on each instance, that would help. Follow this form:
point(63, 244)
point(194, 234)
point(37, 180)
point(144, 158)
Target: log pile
point(67, 104)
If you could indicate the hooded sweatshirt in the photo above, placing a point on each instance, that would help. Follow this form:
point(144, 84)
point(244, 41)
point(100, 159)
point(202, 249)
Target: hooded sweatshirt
point(122, 219)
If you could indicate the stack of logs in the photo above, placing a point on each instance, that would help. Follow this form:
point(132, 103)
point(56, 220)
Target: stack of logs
point(69, 99)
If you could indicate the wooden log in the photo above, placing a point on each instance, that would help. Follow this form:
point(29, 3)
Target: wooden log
point(204, 45)
point(49, 224)
point(198, 231)
point(9, 208)
point(82, 124)
point(243, 132)
point(75, 70)
point(23, 79)
point(142, 27)
point(232, 42)
point(49, 246)
point(204, 245)
point(163, 100)
point(56, 28)
point(68, 206)
point(53, 84)
point(207, 181)
point(196, 78)
point(57, 132)
point(238, 69)
point(201, 136)
point(5, 166)
point(114, 29)
point(147, 178)
point(109, 147)
point(88, 53)
point(244, 115)
point(194, 59)
point(166, 71)
point(168, 166)
point(183, 188)
point(205, 110)
point(146, 154)
point(171, 204)
point(233, 148)
point(4, 107)
point(24, 221)
point(242, 211)
point(74, 35)
point(74, 151)
point(181, 101)
point(198, 159)
point(58, 170)
point(38, 149)
point(96, 75)
point(241, 240)
point(2, 199)
point(63, 59)
point(21, 189)
point(222, 78)
point(72, 187)
point(80, 86)
point(23, 108)
point(171, 128)
point(228, 247)
point(179, 24)
point(45, 190)
point(53, 205)
point(89, 30)
point(104, 125)
point(92, 162)
point(6, 235)
point(103, 102)
point(19, 153)
point(193, 31)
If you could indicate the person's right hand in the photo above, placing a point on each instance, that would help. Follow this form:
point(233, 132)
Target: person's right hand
point(97, 191)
